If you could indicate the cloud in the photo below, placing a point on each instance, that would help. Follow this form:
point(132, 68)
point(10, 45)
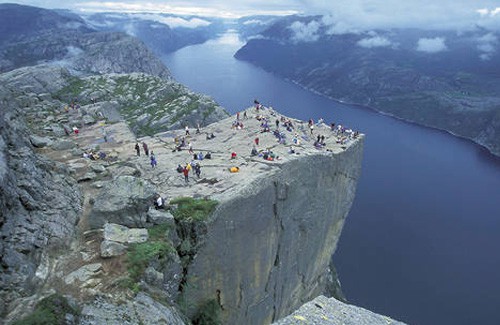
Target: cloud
point(431, 45)
point(486, 45)
point(254, 22)
point(175, 22)
point(305, 32)
point(364, 15)
point(376, 41)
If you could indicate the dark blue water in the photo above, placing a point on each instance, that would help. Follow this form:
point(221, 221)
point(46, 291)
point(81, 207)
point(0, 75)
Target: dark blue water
point(422, 241)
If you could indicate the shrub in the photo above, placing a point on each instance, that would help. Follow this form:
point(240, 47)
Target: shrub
point(139, 255)
point(193, 209)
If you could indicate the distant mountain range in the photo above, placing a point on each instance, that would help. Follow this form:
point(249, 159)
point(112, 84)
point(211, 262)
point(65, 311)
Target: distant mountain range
point(162, 33)
point(30, 35)
point(440, 79)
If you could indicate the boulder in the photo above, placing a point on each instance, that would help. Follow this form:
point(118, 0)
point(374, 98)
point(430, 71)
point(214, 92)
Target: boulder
point(87, 120)
point(157, 217)
point(84, 273)
point(124, 201)
point(87, 177)
point(63, 145)
point(141, 310)
point(122, 234)
point(39, 142)
point(98, 168)
point(111, 248)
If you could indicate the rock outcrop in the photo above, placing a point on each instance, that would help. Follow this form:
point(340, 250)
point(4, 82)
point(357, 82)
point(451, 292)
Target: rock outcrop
point(330, 311)
point(268, 249)
point(140, 310)
point(33, 213)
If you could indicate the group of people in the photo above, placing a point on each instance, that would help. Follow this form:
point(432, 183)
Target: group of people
point(92, 155)
point(152, 157)
point(195, 166)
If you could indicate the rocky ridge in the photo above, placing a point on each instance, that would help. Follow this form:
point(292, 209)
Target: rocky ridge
point(261, 272)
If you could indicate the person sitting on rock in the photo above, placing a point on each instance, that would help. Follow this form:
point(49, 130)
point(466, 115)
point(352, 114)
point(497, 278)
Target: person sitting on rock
point(254, 152)
point(200, 156)
point(179, 168)
point(210, 136)
point(159, 202)
point(208, 155)
point(233, 155)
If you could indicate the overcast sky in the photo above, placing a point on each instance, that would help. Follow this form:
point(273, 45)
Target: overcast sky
point(363, 14)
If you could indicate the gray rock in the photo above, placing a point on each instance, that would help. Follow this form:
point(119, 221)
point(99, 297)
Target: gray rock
point(98, 168)
point(330, 311)
point(87, 177)
point(39, 142)
point(153, 277)
point(288, 222)
point(87, 120)
point(124, 201)
point(122, 234)
point(84, 273)
point(157, 217)
point(111, 248)
point(141, 310)
point(63, 145)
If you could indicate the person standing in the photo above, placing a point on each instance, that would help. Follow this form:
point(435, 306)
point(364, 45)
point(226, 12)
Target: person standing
point(187, 130)
point(138, 149)
point(145, 147)
point(153, 160)
point(185, 171)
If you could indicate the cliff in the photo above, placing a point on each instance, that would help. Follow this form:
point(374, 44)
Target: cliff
point(269, 247)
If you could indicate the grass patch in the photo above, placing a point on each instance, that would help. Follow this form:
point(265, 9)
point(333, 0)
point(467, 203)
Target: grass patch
point(193, 209)
point(49, 311)
point(139, 255)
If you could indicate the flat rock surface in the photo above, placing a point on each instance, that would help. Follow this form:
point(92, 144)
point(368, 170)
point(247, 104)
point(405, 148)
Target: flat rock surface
point(330, 311)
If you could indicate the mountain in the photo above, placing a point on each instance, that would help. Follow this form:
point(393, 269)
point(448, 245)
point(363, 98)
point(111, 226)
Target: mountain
point(163, 33)
point(441, 79)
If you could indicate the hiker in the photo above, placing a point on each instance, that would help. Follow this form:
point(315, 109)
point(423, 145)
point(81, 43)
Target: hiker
point(179, 168)
point(75, 130)
point(238, 116)
point(153, 160)
point(245, 115)
point(138, 149)
point(145, 147)
point(200, 156)
point(256, 141)
point(159, 202)
point(190, 148)
point(198, 128)
point(233, 155)
point(210, 136)
point(187, 130)
point(277, 124)
point(185, 171)
point(208, 155)
point(197, 169)
point(254, 152)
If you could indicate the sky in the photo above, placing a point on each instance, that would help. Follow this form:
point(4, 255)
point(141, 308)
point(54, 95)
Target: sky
point(346, 14)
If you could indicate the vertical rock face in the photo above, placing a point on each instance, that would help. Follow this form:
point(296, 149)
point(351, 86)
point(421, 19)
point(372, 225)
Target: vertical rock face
point(39, 204)
point(268, 249)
